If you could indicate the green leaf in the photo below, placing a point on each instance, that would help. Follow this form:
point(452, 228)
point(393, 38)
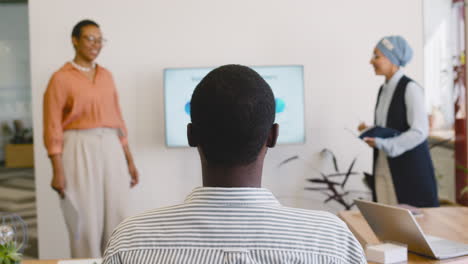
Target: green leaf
point(9, 253)
point(462, 168)
point(465, 190)
point(15, 256)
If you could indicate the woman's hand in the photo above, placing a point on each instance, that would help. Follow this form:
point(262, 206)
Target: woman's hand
point(132, 170)
point(133, 174)
point(58, 184)
point(370, 141)
point(58, 180)
point(362, 126)
point(131, 167)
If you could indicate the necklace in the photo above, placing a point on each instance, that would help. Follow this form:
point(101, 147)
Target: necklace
point(81, 68)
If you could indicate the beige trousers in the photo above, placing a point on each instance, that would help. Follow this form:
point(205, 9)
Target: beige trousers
point(96, 190)
point(384, 182)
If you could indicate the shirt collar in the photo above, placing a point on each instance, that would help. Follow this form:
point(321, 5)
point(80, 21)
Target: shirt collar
point(395, 78)
point(232, 196)
point(69, 66)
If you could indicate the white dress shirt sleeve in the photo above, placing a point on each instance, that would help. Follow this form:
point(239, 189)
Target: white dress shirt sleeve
point(417, 119)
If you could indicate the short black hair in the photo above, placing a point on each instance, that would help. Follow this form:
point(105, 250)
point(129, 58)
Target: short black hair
point(76, 32)
point(232, 111)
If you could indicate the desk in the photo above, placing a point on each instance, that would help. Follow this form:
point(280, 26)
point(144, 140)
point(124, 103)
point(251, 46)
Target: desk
point(39, 262)
point(447, 222)
point(442, 146)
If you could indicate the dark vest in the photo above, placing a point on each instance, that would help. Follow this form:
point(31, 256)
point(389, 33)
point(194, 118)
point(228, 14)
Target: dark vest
point(412, 172)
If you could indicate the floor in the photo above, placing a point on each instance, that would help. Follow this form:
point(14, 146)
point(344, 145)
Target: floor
point(17, 195)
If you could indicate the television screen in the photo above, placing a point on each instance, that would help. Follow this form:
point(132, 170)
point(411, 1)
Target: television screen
point(287, 83)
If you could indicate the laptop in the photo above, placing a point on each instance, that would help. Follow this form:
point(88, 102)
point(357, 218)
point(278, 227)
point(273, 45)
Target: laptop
point(392, 223)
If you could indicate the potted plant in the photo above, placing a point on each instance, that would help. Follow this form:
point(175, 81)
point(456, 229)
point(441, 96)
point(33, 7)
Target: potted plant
point(333, 185)
point(9, 253)
point(465, 189)
point(13, 238)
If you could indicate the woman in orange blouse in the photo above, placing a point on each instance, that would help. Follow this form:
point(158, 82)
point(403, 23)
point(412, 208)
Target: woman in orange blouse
point(86, 140)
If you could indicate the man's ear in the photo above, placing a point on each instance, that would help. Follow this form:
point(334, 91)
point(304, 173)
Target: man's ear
point(191, 136)
point(273, 136)
point(74, 41)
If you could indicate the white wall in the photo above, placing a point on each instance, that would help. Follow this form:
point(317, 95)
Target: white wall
point(332, 39)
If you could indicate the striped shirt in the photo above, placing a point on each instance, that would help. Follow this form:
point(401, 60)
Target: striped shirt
point(233, 225)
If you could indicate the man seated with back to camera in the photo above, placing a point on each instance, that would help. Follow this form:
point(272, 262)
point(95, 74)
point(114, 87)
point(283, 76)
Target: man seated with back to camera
point(231, 219)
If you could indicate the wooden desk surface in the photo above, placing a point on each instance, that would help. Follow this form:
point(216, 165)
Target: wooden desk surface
point(447, 222)
point(39, 262)
point(55, 261)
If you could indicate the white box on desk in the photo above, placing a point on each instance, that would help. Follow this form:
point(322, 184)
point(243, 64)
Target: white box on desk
point(387, 253)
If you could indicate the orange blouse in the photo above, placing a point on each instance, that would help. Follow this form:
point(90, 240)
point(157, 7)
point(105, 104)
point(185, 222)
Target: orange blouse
point(72, 101)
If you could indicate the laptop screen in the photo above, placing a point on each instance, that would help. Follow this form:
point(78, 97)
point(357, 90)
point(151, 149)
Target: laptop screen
point(391, 223)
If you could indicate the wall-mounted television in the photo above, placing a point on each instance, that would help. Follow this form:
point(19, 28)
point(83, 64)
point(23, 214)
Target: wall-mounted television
point(287, 83)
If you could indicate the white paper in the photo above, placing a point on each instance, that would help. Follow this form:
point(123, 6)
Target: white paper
point(71, 214)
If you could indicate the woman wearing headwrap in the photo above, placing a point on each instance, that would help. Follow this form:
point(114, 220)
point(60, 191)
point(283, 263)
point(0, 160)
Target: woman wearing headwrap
point(403, 168)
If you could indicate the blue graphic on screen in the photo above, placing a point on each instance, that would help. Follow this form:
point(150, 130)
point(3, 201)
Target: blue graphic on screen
point(287, 83)
point(280, 105)
point(187, 108)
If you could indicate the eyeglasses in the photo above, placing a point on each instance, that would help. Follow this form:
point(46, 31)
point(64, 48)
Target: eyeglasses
point(375, 56)
point(95, 40)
